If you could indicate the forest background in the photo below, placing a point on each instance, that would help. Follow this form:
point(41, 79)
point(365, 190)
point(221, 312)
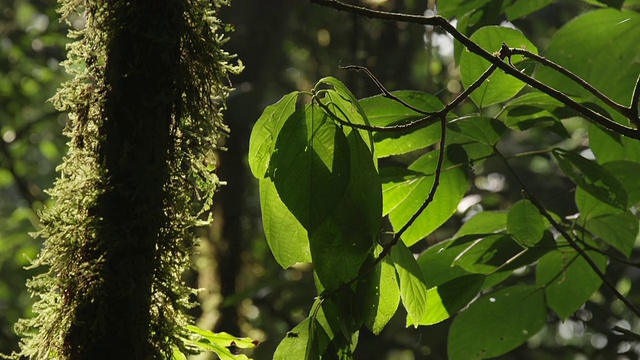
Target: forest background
point(285, 45)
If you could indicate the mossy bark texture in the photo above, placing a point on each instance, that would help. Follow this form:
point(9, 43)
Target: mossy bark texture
point(150, 80)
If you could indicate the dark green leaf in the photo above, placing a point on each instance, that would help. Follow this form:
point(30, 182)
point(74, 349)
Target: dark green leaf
point(608, 146)
point(568, 280)
point(485, 255)
point(525, 223)
point(311, 165)
point(521, 9)
point(413, 289)
point(497, 323)
point(619, 230)
point(485, 130)
point(593, 178)
point(500, 86)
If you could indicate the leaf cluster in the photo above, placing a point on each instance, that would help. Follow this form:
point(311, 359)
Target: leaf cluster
point(350, 185)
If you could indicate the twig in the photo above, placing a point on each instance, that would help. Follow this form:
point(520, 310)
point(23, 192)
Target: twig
point(386, 93)
point(626, 111)
point(635, 99)
point(627, 332)
point(572, 242)
point(476, 49)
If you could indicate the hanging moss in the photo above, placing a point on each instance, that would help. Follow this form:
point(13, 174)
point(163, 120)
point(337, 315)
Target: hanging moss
point(149, 82)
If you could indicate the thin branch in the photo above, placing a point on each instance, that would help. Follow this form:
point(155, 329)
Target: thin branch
point(626, 332)
point(572, 242)
point(626, 111)
point(476, 49)
point(635, 99)
point(386, 93)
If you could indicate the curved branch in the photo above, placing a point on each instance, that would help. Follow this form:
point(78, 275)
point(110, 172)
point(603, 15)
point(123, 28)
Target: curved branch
point(443, 23)
point(627, 112)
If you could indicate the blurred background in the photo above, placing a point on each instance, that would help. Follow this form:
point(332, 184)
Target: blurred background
point(286, 45)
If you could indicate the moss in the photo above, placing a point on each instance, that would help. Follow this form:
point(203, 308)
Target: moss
point(150, 79)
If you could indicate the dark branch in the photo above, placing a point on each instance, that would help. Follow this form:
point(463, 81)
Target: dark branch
point(476, 49)
point(578, 80)
point(572, 242)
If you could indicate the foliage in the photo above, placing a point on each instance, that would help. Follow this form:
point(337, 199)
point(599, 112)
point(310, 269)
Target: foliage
point(350, 185)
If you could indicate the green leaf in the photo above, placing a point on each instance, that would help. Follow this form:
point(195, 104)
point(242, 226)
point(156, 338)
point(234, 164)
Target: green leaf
point(448, 298)
point(520, 9)
point(485, 222)
point(590, 207)
point(305, 341)
point(287, 238)
point(222, 338)
point(380, 296)
point(485, 255)
point(403, 198)
point(219, 343)
point(344, 238)
point(498, 253)
point(382, 111)
point(593, 63)
point(627, 173)
point(265, 132)
point(618, 230)
point(457, 8)
point(485, 130)
point(568, 280)
point(608, 146)
point(311, 166)
point(593, 178)
point(437, 263)
point(413, 289)
point(525, 223)
point(500, 86)
point(402, 142)
point(497, 323)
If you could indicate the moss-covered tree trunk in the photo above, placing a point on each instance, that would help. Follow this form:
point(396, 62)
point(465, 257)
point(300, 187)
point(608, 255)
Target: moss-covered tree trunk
point(141, 76)
point(150, 80)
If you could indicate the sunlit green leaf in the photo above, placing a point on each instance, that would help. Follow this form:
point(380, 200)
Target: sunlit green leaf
point(380, 296)
point(497, 323)
point(611, 147)
point(403, 198)
point(413, 289)
point(265, 133)
point(485, 222)
point(287, 238)
point(584, 46)
point(500, 86)
point(448, 298)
